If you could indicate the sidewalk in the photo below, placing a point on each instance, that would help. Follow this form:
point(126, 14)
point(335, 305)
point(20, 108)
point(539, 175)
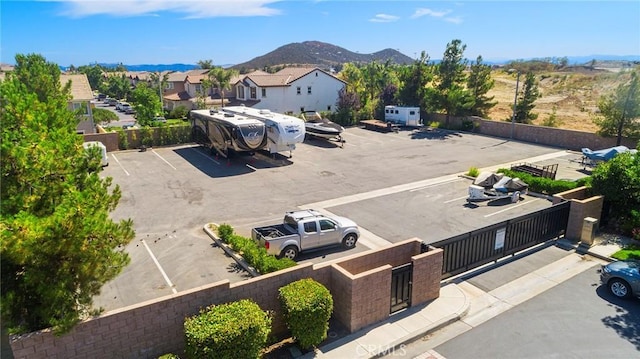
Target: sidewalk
point(462, 301)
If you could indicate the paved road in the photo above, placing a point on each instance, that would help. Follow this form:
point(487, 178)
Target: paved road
point(578, 318)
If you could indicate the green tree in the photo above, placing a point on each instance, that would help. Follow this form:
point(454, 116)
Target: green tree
point(101, 115)
point(146, 103)
point(527, 97)
point(94, 75)
point(59, 245)
point(205, 64)
point(480, 83)
point(451, 95)
point(414, 80)
point(118, 86)
point(619, 181)
point(221, 79)
point(620, 111)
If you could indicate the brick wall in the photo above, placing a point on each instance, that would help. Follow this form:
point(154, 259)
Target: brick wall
point(581, 207)
point(426, 285)
point(156, 327)
point(109, 139)
point(549, 136)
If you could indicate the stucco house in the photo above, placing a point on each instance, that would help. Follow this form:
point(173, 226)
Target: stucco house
point(81, 96)
point(290, 90)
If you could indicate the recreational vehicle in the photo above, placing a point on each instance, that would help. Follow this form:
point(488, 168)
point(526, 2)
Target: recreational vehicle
point(226, 131)
point(283, 131)
point(403, 116)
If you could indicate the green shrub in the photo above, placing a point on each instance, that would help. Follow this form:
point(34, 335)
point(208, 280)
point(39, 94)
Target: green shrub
point(179, 112)
point(255, 255)
point(123, 142)
point(307, 306)
point(232, 330)
point(434, 124)
point(473, 172)
point(467, 125)
point(542, 184)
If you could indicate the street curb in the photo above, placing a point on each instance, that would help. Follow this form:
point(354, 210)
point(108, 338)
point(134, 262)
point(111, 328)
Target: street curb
point(252, 271)
point(411, 337)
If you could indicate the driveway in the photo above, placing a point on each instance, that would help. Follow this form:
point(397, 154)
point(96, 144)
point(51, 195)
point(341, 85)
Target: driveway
point(394, 185)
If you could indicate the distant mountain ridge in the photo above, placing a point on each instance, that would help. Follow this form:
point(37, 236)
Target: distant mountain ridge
point(326, 56)
point(320, 54)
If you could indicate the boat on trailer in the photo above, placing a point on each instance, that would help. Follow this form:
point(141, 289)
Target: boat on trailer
point(224, 131)
point(283, 132)
point(320, 127)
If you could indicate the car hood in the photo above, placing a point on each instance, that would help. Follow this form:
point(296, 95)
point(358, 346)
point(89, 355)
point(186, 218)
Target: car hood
point(345, 222)
point(628, 267)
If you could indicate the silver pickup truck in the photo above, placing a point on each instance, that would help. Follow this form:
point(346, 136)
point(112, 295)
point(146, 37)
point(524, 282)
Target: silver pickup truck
point(304, 230)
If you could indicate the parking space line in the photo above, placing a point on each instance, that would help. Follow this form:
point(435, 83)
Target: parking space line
point(119, 164)
point(455, 199)
point(436, 184)
point(162, 158)
point(251, 167)
point(511, 207)
point(164, 275)
point(205, 156)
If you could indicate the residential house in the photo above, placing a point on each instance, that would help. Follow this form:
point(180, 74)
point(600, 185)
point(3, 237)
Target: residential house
point(290, 90)
point(173, 93)
point(81, 96)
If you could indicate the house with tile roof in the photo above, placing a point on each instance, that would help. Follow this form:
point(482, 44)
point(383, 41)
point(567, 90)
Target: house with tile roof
point(290, 90)
point(81, 96)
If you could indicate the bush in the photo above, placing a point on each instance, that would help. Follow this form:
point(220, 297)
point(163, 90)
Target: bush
point(542, 184)
point(232, 330)
point(255, 255)
point(179, 112)
point(307, 306)
point(473, 172)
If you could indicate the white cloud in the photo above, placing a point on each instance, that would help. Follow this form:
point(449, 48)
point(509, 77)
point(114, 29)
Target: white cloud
point(384, 18)
point(190, 8)
point(454, 19)
point(420, 12)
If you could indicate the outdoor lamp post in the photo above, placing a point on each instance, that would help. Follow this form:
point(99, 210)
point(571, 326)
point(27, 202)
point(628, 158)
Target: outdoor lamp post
point(515, 101)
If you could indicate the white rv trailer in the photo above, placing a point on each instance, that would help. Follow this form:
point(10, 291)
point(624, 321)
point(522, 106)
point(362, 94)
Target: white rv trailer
point(403, 116)
point(283, 131)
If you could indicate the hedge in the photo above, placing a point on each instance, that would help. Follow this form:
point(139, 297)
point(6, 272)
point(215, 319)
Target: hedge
point(544, 185)
point(254, 254)
point(235, 330)
point(307, 306)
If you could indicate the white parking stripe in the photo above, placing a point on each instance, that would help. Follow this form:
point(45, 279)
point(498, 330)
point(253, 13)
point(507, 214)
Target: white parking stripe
point(162, 158)
point(120, 164)
point(164, 275)
point(435, 184)
point(511, 207)
point(251, 167)
point(205, 156)
point(455, 199)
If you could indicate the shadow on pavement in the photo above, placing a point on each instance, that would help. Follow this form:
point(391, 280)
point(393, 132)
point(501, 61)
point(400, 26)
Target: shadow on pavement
point(626, 322)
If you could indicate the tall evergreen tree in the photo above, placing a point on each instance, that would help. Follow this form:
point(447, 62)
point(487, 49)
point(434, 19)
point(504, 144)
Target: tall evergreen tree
point(452, 96)
point(59, 245)
point(480, 83)
point(414, 80)
point(525, 102)
point(620, 111)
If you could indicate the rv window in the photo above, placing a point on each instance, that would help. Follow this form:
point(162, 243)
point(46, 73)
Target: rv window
point(412, 112)
point(310, 227)
point(397, 112)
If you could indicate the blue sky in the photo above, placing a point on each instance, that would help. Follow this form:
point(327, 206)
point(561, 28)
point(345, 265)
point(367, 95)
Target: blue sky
point(81, 32)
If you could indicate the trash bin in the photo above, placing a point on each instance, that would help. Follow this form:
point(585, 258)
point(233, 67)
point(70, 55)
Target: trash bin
point(589, 229)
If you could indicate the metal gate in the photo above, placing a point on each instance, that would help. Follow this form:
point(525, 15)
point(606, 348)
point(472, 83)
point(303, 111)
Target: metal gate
point(401, 287)
point(485, 245)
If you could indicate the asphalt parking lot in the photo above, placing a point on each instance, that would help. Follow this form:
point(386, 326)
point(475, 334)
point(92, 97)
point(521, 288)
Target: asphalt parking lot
point(394, 185)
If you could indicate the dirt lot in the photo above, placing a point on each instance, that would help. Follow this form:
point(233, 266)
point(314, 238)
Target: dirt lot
point(573, 94)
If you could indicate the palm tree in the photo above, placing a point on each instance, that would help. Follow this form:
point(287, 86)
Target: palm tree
point(222, 79)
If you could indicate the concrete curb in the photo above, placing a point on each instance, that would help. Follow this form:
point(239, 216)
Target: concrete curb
point(443, 322)
point(252, 271)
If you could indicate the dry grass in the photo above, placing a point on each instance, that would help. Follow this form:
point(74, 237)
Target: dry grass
point(574, 94)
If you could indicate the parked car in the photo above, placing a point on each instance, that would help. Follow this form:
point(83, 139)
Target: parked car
point(112, 102)
point(622, 278)
point(304, 230)
point(101, 97)
point(160, 119)
point(122, 105)
point(129, 110)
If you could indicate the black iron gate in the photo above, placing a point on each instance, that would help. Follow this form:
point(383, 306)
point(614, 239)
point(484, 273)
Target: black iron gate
point(473, 249)
point(401, 287)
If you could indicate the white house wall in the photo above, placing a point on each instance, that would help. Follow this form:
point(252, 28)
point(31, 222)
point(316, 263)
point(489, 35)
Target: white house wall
point(284, 99)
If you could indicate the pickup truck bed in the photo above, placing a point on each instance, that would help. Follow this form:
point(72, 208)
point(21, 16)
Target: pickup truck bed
point(275, 231)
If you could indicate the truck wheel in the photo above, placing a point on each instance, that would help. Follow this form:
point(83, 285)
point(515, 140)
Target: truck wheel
point(349, 241)
point(290, 252)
